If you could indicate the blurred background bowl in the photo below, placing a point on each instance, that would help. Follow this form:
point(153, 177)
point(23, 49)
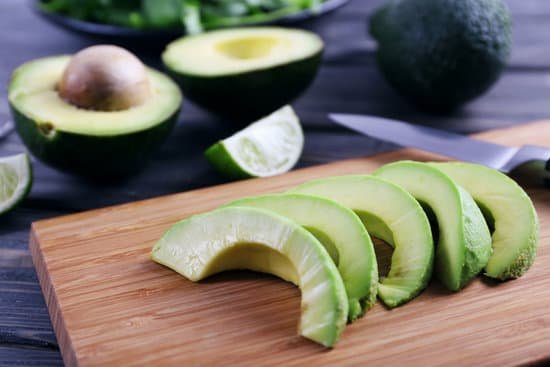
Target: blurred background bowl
point(121, 33)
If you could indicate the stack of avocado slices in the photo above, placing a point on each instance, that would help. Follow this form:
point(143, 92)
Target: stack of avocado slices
point(453, 219)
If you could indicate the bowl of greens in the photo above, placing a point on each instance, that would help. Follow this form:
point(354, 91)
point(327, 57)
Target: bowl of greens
point(165, 18)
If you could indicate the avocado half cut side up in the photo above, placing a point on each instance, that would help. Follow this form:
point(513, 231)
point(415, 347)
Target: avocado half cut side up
point(260, 240)
point(464, 244)
point(340, 230)
point(391, 214)
point(509, 210)
point(93, 143)
point(244, 73)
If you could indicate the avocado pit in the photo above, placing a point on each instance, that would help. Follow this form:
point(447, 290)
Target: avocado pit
point(104, 78)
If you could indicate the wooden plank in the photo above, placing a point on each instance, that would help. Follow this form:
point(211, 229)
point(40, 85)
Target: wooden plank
point(521, 95)
point(111, 305)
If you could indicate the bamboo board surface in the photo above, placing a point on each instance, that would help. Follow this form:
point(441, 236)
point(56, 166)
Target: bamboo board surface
point(110, 305)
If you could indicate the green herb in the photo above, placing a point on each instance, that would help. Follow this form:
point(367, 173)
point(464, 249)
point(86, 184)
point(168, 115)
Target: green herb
point(193, 15)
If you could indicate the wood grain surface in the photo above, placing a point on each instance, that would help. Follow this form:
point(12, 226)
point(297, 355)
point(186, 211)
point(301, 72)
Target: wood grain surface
point(349, 81)
point(112, 306)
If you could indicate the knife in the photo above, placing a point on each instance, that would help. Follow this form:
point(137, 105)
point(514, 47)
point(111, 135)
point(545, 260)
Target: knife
point(532, 159)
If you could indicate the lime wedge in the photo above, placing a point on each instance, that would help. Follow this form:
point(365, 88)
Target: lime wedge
point(15, 180)
point(267, 147)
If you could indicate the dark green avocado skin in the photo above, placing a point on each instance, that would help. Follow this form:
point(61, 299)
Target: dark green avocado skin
point(99, 157)
point(247, 96)
point(442, 53)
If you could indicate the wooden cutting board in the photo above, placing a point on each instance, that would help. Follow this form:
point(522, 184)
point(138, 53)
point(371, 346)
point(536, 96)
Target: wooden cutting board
point(112, 306)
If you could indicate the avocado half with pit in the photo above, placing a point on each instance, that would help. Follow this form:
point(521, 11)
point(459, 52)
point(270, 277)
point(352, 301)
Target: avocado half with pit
point(246, 72)
point(89, 142)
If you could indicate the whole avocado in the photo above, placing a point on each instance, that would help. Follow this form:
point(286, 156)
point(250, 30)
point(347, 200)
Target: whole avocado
point(442, 53)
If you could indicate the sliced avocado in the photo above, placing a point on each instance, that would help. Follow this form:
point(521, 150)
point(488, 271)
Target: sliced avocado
point(88, 142)
point(515, 222)
point(244, 72)
point(464, 243)
point(393, 215)
point(442, 53)
point(259, 240)
point(343, 235)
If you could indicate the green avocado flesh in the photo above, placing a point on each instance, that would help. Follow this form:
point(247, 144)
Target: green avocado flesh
point(464, 243)
point(343, 235)
point(393, 215)
point(260, 240)
point(244, 72)
point(515, 221)
point(88, 142)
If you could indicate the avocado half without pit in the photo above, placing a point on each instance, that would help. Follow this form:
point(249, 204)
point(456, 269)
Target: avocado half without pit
point(244, 73)
point(99, 113)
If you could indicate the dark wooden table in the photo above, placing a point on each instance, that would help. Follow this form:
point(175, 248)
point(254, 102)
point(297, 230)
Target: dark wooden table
point(349, 81)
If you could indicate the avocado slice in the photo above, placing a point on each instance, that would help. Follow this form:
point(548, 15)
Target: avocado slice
point(392, 215)
point(510, 212)
point(464, 243)
point(341, 232)
point(88, 142)
point(244, 73)
point(260, 240)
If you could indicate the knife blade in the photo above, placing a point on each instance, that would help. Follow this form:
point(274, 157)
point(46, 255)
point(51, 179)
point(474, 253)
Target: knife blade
point(6, 129)
point(443, 142)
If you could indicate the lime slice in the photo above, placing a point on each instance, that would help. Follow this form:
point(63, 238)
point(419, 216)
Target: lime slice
point(15, 180)
point(267, 147)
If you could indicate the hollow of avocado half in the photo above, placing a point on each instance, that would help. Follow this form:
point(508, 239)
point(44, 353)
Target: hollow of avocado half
point(508, 210)
point(244, 73)
point(393, 215)
point(464, 241)
point(103, 144)
point(340, 230)
point(260, 240)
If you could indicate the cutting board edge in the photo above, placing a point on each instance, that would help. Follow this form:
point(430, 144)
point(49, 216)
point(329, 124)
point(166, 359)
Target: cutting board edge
point(42, 255)
point(36, 225)
point(50, 297)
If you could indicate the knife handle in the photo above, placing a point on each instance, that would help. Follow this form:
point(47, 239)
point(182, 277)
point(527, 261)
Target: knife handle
point(531, 165)
point(533, 173)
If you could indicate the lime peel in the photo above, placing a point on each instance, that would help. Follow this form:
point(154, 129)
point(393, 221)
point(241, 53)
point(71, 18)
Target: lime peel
point(15, 180)
point(268, 147)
